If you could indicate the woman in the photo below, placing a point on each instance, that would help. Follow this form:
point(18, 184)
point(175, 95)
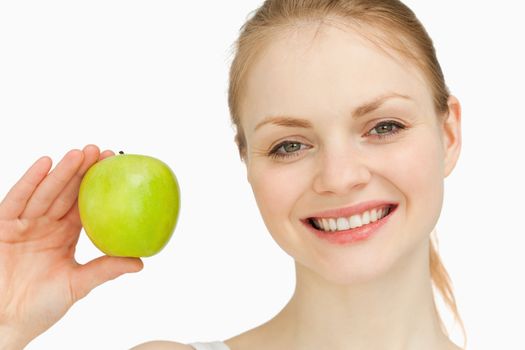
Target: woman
point(347, 130)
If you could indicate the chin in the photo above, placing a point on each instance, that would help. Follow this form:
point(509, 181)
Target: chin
point(386, 260)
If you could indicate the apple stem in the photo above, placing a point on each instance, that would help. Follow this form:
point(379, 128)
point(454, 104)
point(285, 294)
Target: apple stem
point(120, 152)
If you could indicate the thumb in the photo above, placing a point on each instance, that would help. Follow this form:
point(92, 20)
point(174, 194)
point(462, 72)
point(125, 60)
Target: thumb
point(101, 270)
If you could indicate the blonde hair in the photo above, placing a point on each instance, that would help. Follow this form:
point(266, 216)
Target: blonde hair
point(393, 24)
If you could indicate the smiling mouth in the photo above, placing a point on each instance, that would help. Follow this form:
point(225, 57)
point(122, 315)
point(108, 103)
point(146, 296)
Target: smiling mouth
point(335, 224)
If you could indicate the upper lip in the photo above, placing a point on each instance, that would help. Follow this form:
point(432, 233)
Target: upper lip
point(352, 210)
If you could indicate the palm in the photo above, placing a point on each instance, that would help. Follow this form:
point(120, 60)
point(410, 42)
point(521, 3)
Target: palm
point(39, 228)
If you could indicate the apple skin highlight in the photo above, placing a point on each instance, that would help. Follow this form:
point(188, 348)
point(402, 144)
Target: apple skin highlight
point(129, 205)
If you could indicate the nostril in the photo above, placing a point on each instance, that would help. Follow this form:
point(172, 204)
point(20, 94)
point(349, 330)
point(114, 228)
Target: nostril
point(333, 180)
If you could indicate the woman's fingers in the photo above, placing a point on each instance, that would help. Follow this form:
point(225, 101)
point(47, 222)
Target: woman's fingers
point(73, 214)
point(53, 184)
point(101, 270)
point(62, 204)
point(106, 154)
point(16, 199)
point(34, 194)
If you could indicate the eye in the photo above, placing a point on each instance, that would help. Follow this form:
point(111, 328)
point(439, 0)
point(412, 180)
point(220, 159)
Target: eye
point(386, 129)
point(287, 149)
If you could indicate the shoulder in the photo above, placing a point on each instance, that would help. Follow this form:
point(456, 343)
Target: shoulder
point(162, 345)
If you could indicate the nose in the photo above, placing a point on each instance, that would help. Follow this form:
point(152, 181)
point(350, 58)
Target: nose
point(340, 171)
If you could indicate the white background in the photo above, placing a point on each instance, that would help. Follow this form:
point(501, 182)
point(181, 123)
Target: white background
point(150, 77)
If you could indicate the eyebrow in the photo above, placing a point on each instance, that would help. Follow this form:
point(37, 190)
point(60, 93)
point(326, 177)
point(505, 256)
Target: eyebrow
point(358, 112)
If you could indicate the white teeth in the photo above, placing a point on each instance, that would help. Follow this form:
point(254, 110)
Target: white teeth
point(366, 218)
point(333, 224)
point(342, 224)
point(355, 221)
point(373, 215)
point(325, 226)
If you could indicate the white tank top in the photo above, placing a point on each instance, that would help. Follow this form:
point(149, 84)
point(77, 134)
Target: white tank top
point(214, 345)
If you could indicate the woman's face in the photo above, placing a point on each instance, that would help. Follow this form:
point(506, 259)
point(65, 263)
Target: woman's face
point(332, 121)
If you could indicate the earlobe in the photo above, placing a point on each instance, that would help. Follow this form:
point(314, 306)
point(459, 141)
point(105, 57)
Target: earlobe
point(452, 135)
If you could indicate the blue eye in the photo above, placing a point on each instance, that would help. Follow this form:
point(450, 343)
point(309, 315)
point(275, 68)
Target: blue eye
point(287, 149)
point(386, 129)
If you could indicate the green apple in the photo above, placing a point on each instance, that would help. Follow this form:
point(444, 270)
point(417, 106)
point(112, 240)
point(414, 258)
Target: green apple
point(129, 205)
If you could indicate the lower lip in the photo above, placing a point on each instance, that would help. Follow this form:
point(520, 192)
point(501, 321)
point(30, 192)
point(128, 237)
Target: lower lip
point(352, 235)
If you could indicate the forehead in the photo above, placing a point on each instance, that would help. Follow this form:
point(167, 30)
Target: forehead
point(318, 69)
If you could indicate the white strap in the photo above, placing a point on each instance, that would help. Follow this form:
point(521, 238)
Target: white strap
point(215, 345)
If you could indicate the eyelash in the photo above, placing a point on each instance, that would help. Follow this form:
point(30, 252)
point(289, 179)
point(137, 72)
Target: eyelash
point(274, 152)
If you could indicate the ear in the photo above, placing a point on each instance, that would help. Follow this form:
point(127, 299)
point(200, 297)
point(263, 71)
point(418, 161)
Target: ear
point(452, 134)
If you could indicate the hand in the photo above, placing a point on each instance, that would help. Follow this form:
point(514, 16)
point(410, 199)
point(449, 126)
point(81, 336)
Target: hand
point(39, 228)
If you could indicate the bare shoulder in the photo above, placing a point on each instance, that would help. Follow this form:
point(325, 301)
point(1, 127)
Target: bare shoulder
point(162, 345)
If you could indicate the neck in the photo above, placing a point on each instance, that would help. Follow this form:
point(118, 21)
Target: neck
point(392, 311)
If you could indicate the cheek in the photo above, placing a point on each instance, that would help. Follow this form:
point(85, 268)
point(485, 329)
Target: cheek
point(417, 170)
point(426, 170)
point(276, 189)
